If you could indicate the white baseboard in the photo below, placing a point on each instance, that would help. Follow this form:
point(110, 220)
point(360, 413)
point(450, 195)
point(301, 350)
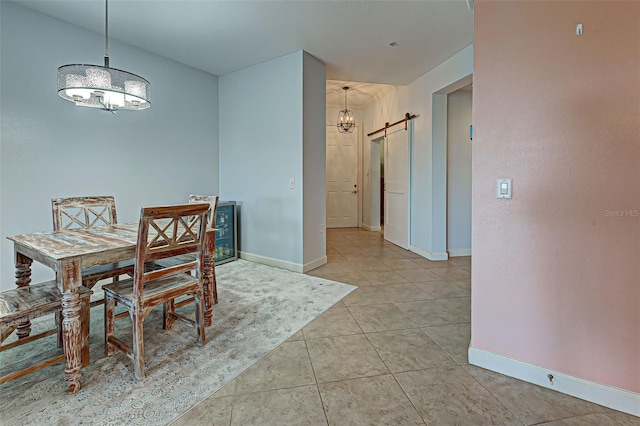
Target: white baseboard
point(608, 396)
point(313, 265)
point(289, 266)
point(269, 261)
point(459, 252)
point(429, 255)
point(371, 228)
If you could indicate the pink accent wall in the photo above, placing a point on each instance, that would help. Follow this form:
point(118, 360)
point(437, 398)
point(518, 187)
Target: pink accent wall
point(556, 269)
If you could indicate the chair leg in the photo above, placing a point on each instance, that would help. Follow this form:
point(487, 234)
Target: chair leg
point(168, 308)
point(85, 315)
point(109, 306)
point(137, 320)
point(199, 299)
point(58, 316)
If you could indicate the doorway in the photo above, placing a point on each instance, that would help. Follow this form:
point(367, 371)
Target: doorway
point(459, 141)
point(376, 184)
point(439, 168)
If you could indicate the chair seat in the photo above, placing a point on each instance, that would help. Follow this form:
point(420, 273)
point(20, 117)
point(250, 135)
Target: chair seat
point(32, 301)
point(20, 305)
point(158, 289)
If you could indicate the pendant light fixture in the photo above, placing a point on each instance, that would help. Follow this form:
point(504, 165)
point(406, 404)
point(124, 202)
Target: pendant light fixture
point(346, 120)
point(96, 86)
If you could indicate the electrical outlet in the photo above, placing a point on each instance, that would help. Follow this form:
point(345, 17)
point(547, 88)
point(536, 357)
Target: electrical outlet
point(292, 183)
point(322, 228)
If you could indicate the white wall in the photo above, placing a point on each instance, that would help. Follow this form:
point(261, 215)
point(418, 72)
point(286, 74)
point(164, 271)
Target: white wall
point(261, 149)
point(50, 148)
point(428, 194)
point(459, 173)
point(314, 162)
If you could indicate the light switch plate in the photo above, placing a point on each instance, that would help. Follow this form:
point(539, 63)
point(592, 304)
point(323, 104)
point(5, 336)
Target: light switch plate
point(503, 189)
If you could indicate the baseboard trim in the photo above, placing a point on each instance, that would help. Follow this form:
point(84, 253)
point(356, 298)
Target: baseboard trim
point(608, 396)
point(269, 261)
point(313, 265)
point(371, 228)
point(459, 252)
point(429, 255)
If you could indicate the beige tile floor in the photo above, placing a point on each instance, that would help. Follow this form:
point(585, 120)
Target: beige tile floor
point(393, 352)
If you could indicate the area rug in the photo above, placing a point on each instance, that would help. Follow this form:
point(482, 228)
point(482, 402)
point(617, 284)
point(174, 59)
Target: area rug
point(259, 308)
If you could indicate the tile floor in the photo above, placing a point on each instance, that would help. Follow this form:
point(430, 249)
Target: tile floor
point(393, 352)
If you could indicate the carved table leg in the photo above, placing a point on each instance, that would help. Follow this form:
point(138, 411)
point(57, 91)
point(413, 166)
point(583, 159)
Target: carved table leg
point(209, 279)
point(71, 323)
point(23, 279)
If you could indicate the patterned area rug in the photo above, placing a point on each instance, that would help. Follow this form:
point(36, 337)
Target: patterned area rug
point(260, 307)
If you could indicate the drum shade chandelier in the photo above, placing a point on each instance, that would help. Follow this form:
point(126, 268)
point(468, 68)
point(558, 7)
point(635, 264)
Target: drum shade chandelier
point(96, 86)
point(346, 120)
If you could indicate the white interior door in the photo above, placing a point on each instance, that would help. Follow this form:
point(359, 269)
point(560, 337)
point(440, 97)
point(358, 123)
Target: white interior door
point(397, 172)
point(342, 179)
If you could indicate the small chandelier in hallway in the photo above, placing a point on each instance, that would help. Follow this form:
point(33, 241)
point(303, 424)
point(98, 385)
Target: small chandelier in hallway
point(346, 120)
point(103, 87)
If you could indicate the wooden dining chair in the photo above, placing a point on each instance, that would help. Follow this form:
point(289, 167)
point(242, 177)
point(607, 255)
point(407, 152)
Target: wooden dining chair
point(163, 232)
point(212, 200)
point(87, 212)
point(23, 304)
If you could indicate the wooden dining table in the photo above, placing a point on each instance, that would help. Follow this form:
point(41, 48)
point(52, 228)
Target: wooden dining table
point(70, 251)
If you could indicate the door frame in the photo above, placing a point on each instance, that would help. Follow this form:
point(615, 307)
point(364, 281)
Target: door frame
point(439, 122)
point(374, 183)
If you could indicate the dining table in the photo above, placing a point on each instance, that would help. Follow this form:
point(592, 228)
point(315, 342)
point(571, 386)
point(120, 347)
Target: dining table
point(70, 251)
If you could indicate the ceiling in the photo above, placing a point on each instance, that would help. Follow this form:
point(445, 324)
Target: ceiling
point(351, 37)
point(359, 95)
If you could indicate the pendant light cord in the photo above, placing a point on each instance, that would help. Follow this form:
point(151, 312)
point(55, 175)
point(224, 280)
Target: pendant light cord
point(106, 48)
point(106, 34)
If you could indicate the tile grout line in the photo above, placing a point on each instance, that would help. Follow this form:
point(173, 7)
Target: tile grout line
point(315, 378)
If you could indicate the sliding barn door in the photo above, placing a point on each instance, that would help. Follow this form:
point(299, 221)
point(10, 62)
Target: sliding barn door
point(397, 172)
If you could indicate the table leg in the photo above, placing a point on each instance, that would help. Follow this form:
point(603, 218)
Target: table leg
point(23, 279)
point(209, 279)
point(71, 280)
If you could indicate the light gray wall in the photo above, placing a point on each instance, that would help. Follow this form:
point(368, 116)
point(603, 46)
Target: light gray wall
point(261, 134)
point(428, 229)
point(458, 173)
point(50, 148)
point(314, 160)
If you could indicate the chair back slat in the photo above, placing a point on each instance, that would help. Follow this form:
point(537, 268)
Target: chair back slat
point(169, 231)
point(83, 212)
